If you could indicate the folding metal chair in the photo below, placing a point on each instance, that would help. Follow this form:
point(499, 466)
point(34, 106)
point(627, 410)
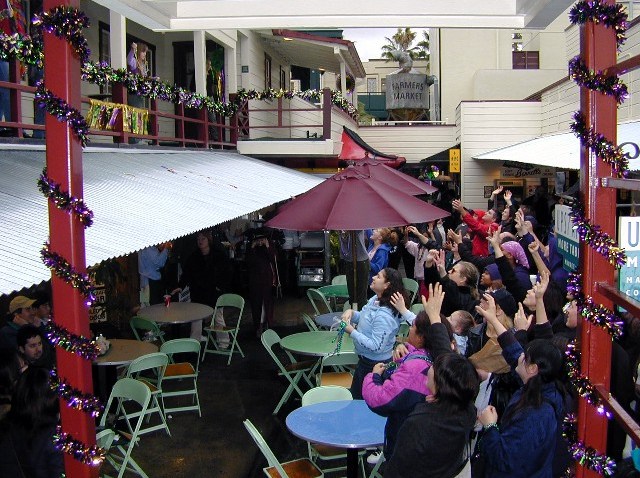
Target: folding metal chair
point(155, 364)
point(412, 286)
point(142, 326)
point(340, 376)
point(125, 389)
point(309, 322)
point(319, 301)
point(324, 452)
point(226, 302)
point(293, 372)
point(184, 372)
point(300, 468)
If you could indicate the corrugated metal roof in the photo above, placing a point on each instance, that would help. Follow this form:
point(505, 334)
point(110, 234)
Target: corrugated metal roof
point(139, 198)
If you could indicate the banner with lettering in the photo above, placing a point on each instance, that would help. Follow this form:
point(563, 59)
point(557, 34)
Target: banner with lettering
point(527, 172)
point(568, 240)
point(629, 239)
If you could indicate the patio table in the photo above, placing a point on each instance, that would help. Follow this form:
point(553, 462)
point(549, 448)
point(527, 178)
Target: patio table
point(315, 343)
point(348, 424)
point(176, 313)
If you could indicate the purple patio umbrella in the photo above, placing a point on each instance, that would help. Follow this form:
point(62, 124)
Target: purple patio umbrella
point(352, 200)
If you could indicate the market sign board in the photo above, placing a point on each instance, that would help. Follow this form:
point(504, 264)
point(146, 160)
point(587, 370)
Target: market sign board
point(407, 90)
point(568, 240)
point(629, 238)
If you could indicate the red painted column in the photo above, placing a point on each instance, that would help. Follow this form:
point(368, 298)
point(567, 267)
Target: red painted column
point(64, 165)
point(598, 51)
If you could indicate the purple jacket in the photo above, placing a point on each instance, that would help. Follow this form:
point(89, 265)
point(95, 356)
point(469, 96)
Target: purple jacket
point(396, 396)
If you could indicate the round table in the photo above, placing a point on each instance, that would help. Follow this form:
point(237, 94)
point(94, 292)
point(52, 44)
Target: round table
point(121, 352)
point(328, 320)
point(124, 351)
point(345, 424)
point(316, 343)
point(176, 313)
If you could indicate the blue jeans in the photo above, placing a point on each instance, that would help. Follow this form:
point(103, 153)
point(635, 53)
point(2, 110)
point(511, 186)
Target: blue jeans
point(5, 100)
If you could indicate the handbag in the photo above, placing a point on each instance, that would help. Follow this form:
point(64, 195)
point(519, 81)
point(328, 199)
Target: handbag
point(478, 461)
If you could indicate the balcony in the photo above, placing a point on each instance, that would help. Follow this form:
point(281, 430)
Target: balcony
point(281, 122)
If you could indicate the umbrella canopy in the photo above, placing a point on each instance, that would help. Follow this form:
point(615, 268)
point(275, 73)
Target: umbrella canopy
point(395, 179)
point(352, 200)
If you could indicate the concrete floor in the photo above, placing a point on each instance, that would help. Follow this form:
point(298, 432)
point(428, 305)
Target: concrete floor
point(217, 444)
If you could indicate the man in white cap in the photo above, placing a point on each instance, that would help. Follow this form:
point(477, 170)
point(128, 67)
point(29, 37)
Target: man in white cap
point(21, 313)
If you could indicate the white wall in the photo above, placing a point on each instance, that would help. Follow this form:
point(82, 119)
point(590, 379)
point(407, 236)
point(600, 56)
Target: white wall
point(412, 142)
point(486, 126)
point(490, 84)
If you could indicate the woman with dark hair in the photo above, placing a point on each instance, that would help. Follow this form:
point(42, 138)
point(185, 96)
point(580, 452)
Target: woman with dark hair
point(377, 325)
point(393, 389)
point(524, 443)
point(26, 434)
point(433, 441)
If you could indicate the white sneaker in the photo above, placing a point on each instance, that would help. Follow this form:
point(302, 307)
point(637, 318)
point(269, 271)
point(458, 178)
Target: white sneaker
point(203, 338)
point(374, 457)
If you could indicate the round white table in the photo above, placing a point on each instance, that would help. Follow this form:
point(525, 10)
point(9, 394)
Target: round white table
point(176, 313)
point(125, 351)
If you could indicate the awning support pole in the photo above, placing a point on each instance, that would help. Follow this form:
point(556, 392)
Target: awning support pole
point(64, 166)
point(598, 51)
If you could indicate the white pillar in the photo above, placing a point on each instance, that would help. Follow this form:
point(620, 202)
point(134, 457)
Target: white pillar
point(343, 71)
point(231, 70)
point(199, 62)
point(117, 40)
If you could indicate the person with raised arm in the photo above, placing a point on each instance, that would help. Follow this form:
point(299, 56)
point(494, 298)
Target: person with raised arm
point(522, 444)
point(433, 440)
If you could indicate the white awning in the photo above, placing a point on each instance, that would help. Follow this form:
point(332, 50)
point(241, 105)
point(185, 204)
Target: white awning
point(139, 198)
point(560, 150)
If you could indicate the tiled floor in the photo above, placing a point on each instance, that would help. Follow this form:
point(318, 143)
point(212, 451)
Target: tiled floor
point(217, 445)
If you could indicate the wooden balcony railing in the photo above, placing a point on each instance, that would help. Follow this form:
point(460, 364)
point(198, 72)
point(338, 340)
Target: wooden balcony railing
point(183, 127)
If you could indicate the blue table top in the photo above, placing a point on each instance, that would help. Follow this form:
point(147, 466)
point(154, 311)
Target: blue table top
point(327, 320)
point(343, 424)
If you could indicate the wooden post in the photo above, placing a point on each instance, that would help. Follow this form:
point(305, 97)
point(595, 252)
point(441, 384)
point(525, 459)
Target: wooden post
point(326, 114)
point(598, 51)
point(64, 166)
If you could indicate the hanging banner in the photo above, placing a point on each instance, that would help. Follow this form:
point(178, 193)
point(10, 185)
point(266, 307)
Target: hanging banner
point(568, 240)
point(629, 239)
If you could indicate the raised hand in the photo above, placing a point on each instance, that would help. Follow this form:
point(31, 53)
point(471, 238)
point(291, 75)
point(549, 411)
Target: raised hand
point(521, 321)
point(507, 197)
point(397, 300)
point(433, 305)
point(454, 237)
point(458, 206)
point(497, 191)
point(541, 287)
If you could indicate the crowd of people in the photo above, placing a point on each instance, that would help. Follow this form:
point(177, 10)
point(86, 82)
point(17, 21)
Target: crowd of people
point(480, 387)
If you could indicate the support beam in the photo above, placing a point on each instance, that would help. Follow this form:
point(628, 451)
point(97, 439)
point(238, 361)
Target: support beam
point(64, 166)
point(598, 51)
point(118, 40)
point(199, 60)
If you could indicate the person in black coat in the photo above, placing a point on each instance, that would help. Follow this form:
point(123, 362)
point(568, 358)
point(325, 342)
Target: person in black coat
point(263, 278)
point(26, 434)
point(207, 272)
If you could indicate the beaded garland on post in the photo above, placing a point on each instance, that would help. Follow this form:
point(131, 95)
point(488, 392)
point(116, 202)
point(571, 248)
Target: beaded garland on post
point(611, 16)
